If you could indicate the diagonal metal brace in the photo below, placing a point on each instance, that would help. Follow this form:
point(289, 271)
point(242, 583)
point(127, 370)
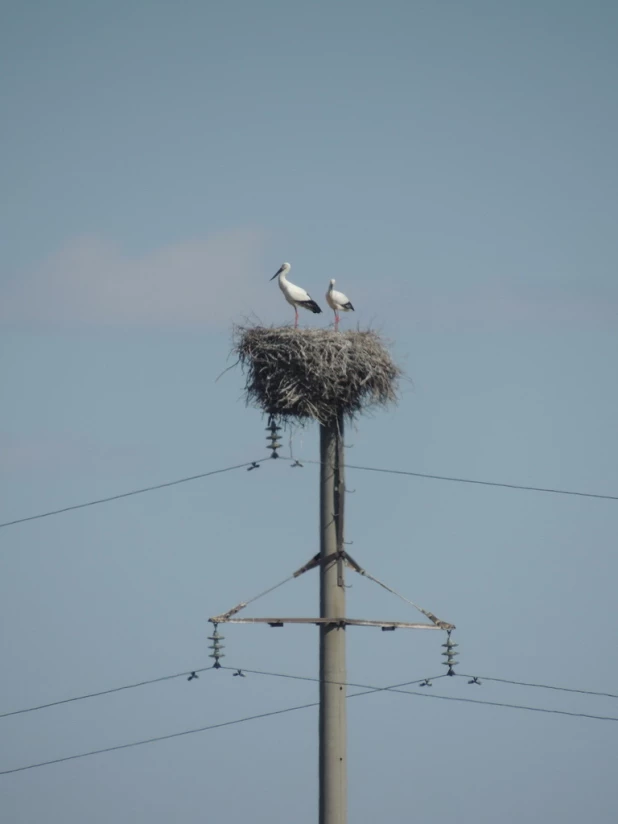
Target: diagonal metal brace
point(312, 564)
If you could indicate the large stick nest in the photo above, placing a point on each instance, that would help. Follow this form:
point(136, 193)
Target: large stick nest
point(315, 373)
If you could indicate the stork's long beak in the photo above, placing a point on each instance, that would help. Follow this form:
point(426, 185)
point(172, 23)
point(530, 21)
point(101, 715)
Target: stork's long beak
point(279, 270)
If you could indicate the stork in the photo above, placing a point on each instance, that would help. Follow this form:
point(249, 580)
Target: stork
point(294, 294)
point(338, 302)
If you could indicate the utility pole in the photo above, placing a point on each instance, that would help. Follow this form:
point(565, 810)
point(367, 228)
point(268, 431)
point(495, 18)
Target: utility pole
point(331, 560)
point(333, 726)
point(296, 374)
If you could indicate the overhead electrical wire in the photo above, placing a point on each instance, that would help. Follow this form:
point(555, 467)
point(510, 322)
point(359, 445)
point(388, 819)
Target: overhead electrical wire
point(249, 464)
point(397, 689)
point(157, 738)
point(255, 464)
point(366, 690)
point(189, 673)
point(541, 686)
point(190, 732)
point(105, 692)
point(454, 479)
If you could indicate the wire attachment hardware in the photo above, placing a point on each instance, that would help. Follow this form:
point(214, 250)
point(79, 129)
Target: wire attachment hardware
point(254, 465)
point(426, 683)
point(450, 654)
point(272, 439)
point(192, 676)
point(239, 672)
point(216, 647)
point(475, 680)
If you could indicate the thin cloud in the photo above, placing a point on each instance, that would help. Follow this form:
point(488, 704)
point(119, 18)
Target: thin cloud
point(92, 282)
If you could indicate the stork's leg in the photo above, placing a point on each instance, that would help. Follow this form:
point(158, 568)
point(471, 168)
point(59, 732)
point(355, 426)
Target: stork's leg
point(296, 318)
point(336, 321)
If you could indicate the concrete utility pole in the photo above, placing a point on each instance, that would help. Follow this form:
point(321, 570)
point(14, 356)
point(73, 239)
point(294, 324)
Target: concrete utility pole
point(301, 375)
point(333, 726)
point(332, 621)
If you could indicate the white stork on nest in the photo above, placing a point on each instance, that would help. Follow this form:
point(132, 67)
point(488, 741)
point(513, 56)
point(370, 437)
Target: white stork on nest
point(294, 294)
point(338, 302)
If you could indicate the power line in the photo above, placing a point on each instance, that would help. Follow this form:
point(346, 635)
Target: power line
point(105, 692)
point(474, 481)
point(189, 732)
point(505, 705)
point(541, 686)
point(253, 464)
point(366, 687)
point(366, 690)
point(157, 738)
point(296, 678)
point(133, 492)
point(159, 680)
point(397, 689)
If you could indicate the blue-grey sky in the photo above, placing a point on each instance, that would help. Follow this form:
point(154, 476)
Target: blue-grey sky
point(453, 165)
